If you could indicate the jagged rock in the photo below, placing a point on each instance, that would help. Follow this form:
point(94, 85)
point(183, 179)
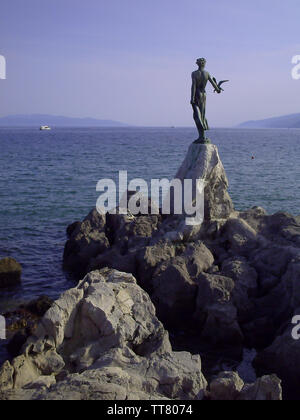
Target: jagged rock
point(280, 227)
point(198, 258)
point(254, 217)
point(270, 263)
point(203, 162)
point(41, 382)
point(285, 226)
point(165, 375)
point(291, 284)
point(213, 289)
point(283, 358)
point(112, 258)
point(28, 368)
point(129, 231)
point(10, 272)
point(6, 376)
point(150, 257)
point(267, 388)
point(215, 312)
point(174, 292)
point(88, 239)
point(122, 375)
point(275, 306)
point(226, 387)
point(72, 227)
point(241, 237)
point(245, 285)
point(103, 340)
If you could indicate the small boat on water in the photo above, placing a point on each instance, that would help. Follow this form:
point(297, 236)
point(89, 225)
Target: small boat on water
point(45, 127)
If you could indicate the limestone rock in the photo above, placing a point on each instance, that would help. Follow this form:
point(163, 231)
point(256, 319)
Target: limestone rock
point(10, 272)
point(226, 387)
point(240, 236)
point(41, 382)
point(198, 258)
point(102, 340)
point(87, 240)
point(174, 292)
point(271, 263)
point(267, 388)
point(215, 311)
point(6, 376)
point(291, 283)
point(150, 257)
point(122, 375)
point(245, 285)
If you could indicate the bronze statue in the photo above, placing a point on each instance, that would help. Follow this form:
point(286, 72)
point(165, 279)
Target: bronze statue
point(200, 78)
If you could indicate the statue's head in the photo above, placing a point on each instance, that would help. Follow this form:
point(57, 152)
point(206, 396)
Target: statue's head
point(201, 62)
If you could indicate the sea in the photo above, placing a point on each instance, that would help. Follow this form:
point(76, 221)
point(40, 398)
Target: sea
point(48, 180)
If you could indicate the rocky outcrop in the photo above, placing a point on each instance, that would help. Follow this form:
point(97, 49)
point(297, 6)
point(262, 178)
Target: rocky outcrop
point(233, 281)
point(102, 340)
point(10, 272)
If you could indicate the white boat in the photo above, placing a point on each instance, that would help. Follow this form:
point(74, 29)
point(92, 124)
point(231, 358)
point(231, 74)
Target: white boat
point(45, 127)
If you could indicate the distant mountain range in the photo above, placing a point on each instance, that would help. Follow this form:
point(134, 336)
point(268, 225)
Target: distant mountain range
point(286, 121)
point(55, 121)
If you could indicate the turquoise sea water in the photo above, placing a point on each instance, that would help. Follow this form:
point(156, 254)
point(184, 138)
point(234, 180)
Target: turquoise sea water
point(48, 180)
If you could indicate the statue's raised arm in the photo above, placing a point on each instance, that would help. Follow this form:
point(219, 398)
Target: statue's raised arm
point(213, 81)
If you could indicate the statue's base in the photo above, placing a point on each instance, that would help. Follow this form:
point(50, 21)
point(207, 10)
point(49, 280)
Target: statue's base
point(203, 141)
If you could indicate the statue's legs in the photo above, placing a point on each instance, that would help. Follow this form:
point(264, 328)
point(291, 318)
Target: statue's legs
point(198, 122)
point(199, 115)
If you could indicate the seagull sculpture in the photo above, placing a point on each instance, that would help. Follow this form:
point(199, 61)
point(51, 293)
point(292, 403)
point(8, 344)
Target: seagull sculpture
point(219, 84)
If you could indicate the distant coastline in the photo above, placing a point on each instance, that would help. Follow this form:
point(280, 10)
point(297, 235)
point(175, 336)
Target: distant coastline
point(56, 121)
point(285, 121)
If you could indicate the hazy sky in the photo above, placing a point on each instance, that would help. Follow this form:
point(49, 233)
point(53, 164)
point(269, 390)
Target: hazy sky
point(131, 60)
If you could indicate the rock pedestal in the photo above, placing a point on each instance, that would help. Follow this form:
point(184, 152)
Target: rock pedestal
point(203, 162)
